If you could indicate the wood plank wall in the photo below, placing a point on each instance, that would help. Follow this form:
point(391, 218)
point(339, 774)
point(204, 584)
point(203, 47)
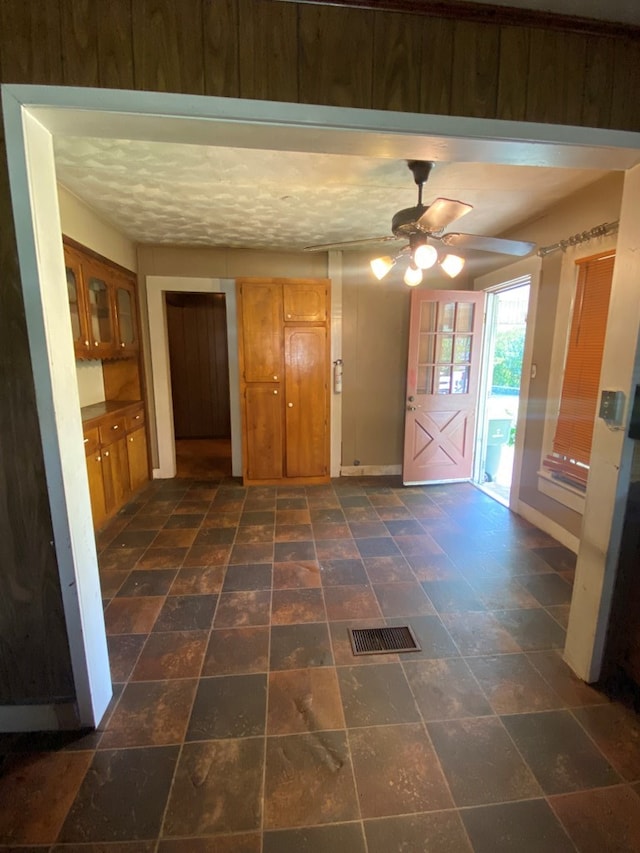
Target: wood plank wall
point(268, 49)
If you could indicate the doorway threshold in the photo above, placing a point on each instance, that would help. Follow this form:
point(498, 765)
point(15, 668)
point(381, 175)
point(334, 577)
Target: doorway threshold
point(495, 491)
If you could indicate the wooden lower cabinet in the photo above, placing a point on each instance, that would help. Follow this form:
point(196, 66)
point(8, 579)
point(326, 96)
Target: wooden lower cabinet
point(137, 458)
point(263, 431)
point(96, 488)
point(116, 455)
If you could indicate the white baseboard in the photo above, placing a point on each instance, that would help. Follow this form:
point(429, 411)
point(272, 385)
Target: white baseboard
point(369, 470)
point(549, 526)
point(38, 718)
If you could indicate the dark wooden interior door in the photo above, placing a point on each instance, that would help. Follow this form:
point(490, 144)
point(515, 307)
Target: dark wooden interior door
point(198, 354)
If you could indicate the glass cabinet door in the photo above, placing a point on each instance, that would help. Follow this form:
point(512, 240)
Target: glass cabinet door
point(99, 311)
point(125, 317)
point(77, 308)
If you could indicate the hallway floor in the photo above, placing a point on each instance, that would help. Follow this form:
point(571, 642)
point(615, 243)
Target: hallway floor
point(241, 721)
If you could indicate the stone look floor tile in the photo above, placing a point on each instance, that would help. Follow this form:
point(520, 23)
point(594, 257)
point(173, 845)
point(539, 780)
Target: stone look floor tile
point(188, 580)
point(217, 788)
point(308, 781)
point(397, 771)
point(560, 753)
point(607, 819)
point(467, 748)
point(303, 700)
point(177, 654)
point(36, 792)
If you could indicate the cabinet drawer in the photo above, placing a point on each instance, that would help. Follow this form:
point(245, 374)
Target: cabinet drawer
point(91, 440)
point(112, 429)
point(134, 419)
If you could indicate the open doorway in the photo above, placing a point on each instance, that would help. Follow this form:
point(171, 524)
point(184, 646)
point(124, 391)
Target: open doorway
point(500, 388)
point(199, 368)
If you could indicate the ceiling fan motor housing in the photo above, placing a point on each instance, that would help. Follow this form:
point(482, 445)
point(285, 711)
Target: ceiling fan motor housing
point(405, 222)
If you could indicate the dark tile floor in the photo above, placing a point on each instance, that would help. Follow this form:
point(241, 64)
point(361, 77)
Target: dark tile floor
point(242, 722)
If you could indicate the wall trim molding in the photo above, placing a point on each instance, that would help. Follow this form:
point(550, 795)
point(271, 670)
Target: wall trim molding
point(545, 524)
point(489, 13)
point(38, 718)
point(370, 470)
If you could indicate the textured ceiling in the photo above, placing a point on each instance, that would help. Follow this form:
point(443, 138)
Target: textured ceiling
point(210, 196)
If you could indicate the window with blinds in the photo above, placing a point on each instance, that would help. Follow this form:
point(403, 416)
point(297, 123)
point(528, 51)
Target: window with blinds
point(569, 460)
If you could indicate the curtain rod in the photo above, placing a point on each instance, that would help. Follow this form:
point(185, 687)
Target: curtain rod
point(575, 239)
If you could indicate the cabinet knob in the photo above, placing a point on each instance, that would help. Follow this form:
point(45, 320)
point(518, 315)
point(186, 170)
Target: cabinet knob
point(137, 418)
point(98, 458)
point(276, 391)
point(122, 344)
point(290, 405)
point(275, 377)
point(86, 343)
point(106, 453)
point(130, 439)
point(86, 441)
point(95, 343)
point(115, 426)
point(288, 316)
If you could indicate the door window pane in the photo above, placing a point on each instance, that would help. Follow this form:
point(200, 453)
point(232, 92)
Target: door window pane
point(462, 349)
point(74, 308)
point(425, 380)
point(426, 353)
point(447, 317)
point(445, 349)
point(464, 317)
point(428, 314)
point(444, 380)
point(460, 380)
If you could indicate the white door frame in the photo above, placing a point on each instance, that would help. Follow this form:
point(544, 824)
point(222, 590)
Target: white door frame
point(34, 114)
point(157, 287)
point(522, 272)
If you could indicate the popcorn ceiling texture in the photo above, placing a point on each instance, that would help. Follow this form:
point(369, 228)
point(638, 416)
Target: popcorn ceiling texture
point(210, 196)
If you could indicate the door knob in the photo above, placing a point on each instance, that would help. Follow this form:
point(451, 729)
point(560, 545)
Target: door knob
point(290, 405)
point(411, 398)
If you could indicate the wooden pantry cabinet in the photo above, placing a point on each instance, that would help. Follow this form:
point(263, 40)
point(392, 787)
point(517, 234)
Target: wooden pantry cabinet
point(284, 368)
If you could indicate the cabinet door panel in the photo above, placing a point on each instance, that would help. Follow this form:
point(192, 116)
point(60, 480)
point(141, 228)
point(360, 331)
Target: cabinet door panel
point(99, 310)
point(137, 457)
point(125, 316)
point(263, 426)
point(306, 409)
point(77, 307)
point(115, 467)
point(261, 331)
point(96, 489)
point(305, 302)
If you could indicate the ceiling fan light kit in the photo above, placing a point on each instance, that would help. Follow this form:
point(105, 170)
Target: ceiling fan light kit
point(422, 223)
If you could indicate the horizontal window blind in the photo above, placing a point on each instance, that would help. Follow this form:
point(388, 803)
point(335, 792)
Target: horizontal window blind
point(579, 400)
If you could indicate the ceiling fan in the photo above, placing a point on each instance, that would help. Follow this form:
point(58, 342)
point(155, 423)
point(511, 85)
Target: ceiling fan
point(423, 225)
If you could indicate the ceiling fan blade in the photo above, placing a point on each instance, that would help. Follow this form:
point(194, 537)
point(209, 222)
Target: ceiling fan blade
point(442, 212)
point(325, 247)
point(488, 244)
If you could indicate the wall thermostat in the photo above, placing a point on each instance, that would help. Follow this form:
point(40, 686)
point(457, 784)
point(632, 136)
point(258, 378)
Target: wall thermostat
point(611, 407)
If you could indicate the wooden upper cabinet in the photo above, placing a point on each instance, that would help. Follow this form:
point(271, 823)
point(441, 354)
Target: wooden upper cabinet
point(102, 306)
point(126, 315)
point(77, 305)
point(261, 331)
point(305, 302)
point(99, 309)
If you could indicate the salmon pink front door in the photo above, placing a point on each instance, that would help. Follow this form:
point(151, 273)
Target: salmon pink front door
point(445, 338)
